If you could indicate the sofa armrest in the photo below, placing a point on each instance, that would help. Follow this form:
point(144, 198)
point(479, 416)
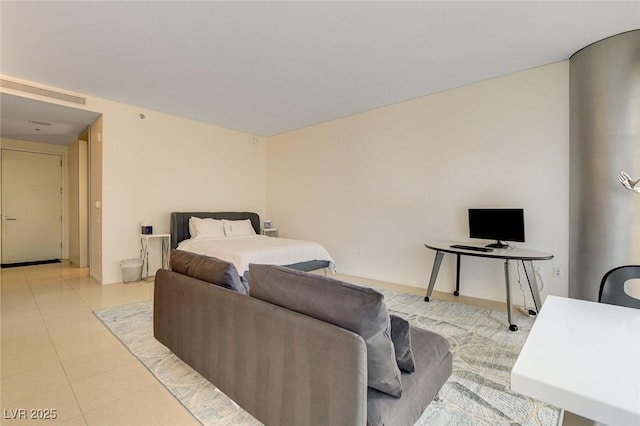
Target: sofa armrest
point(282, 367)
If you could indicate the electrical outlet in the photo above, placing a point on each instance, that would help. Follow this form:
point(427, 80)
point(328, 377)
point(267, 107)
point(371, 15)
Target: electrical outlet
point(527, 312)
point(556, 272)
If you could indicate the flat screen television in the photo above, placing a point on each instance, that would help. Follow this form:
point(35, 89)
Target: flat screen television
point(497, 224)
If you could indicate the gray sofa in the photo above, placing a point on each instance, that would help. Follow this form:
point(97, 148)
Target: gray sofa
point(289, 368)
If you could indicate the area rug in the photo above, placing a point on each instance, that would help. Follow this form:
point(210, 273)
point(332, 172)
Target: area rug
point(477, 393)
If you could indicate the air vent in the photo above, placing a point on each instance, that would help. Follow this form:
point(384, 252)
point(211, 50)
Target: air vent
point(40, 123)
point(42, 92)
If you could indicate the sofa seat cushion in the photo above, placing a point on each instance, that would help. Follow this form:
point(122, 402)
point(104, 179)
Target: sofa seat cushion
point(433, 363)
point(358, 309)
point(210, 269)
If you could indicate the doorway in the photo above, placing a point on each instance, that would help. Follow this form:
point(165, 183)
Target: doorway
point(27, 122)
point(32, 207)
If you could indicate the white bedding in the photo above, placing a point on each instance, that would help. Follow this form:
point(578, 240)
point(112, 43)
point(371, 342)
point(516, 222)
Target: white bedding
point(241, 251)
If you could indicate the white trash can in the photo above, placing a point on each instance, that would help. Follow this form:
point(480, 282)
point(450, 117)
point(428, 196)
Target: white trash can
point(131, 270)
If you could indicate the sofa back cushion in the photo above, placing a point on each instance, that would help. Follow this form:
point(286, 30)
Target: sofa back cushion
point(209, 269)
point(358, 309)
point(401, 338)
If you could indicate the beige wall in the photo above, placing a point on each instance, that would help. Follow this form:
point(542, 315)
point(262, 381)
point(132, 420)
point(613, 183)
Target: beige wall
point(161, 164)
point(95, 200)
point(74, 202)
point(78, 191)
point(164, 163)
point(374, 187)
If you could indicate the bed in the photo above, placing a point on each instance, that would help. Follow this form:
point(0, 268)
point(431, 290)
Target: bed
point(244, 249)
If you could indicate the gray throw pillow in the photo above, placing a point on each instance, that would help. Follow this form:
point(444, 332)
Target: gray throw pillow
point(401, 337)
point(354, 308)
point(210, 269)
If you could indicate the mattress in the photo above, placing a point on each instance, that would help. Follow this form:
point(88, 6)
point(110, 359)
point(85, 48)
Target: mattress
point(259, 249)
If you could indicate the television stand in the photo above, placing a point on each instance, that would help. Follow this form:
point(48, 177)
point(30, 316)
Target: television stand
point(498, 245)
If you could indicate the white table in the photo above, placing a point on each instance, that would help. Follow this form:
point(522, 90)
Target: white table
point(526, 256)
point(583, 357)
point(269, 232)
point(144, 251)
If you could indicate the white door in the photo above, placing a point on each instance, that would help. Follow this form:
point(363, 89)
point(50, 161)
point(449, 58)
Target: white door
point(31, 206)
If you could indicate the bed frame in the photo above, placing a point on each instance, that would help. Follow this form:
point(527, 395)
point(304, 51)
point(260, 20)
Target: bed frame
point(180, 222)
point(180, 232)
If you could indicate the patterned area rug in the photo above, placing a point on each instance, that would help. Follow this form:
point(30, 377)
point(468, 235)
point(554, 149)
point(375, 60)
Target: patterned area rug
point(477, 393)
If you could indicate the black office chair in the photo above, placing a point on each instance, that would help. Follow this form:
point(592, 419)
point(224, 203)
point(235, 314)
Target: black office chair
point(612, 286)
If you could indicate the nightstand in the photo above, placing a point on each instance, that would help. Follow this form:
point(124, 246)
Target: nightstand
point(270, 232)
point(144, 251)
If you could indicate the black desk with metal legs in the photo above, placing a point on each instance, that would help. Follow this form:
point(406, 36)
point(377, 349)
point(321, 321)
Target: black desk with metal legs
point(508, 254)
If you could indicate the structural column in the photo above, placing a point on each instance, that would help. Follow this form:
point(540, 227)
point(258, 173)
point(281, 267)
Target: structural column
point(605, 140)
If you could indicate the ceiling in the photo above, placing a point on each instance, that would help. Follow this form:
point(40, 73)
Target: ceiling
point(270, 67)
point(35, 121)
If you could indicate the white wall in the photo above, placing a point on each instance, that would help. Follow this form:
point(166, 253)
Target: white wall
point(161, 164)
point(374, 187)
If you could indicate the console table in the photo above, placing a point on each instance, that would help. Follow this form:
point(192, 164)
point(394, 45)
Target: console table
point(583, 357)
point(507, 254)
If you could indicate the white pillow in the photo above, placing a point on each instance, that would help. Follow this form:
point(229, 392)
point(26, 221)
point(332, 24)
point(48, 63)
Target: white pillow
point(238, 228)
point(192, 227)
point(211, 228)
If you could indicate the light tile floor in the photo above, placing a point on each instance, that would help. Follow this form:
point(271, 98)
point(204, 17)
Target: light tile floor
point(56, 355)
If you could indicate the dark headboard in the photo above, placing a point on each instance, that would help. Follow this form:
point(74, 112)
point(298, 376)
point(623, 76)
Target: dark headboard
point(180, 222)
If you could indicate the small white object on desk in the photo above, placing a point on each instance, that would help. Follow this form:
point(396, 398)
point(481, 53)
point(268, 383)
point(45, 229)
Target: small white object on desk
point(144, 251)
point(583, 357)
point(270, 232)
